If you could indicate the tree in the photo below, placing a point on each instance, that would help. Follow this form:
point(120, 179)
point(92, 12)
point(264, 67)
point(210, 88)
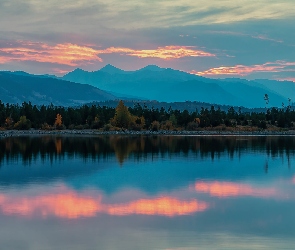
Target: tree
point(23, 123)
point(58, 122)
point(266, 99)
point(122, 116)
point(8, 122)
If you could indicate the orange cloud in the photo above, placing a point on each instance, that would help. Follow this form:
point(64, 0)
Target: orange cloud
point(67, 54)
point(167, 52)
point(230, 189)
point(74, 55)
point(70, 205)
point(242, 70)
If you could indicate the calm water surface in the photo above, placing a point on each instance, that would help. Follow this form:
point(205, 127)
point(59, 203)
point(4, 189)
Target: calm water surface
point(163, 192)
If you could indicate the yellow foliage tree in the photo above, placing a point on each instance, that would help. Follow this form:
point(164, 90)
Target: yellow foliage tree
point(58, 122)
point(122, 117)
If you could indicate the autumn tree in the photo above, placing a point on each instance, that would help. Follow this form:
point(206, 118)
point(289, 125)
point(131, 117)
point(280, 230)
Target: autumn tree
point(58, 122)
point(9, 122)
point(122, 118)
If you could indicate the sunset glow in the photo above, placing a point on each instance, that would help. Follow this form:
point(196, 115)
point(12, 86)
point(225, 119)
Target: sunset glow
point(230, 189)
point(77, 55)
point(208, 38)
point(65, 54)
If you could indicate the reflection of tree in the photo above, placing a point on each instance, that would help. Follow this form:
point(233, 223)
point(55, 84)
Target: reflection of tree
point(58, 145)
point(123, 146)
point(50, 147)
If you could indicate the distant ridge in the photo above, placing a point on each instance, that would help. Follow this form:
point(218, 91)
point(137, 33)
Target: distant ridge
point(151, 68)
point(149, 83)
point(169, 85)
point(112, 69)
point(18, 87)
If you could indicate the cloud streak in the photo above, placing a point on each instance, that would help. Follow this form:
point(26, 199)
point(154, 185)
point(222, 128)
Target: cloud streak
point(243, 70)
point(64, 54)
point(137, 14)
point(76, 55)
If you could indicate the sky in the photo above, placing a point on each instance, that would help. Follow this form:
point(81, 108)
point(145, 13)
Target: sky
point(217, 38)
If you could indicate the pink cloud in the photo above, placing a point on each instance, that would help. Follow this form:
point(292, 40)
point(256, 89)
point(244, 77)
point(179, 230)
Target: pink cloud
point(243, 70)
point(73, 55)
point(65, 54)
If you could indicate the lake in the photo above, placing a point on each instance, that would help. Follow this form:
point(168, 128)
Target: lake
point(147, 192)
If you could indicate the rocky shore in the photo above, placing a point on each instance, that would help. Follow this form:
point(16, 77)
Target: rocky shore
point(89, 132)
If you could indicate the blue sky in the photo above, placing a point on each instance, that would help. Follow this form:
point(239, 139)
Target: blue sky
point(216, 38)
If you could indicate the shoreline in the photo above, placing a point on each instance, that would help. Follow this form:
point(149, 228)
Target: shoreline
point(90, 132)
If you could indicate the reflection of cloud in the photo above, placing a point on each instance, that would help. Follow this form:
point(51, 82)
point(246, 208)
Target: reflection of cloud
point(242, 70)
point(160, 206)
point(230, 189)
point(74, 55)
point(293, 180)
point(71, 205)
point(68, 205)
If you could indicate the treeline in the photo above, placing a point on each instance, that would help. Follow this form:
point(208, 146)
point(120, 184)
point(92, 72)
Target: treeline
point(139, 117)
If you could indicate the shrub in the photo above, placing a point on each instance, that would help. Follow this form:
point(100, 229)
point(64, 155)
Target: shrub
point(23, 123)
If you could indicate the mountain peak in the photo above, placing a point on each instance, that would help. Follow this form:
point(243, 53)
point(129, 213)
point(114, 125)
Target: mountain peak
point(111, 69)
point(79, 70)
point(152, 68)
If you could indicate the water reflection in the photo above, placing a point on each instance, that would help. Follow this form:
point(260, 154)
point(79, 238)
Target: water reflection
point(163, 192)
point(230, 189)
point(70, 204)
point(28, 148)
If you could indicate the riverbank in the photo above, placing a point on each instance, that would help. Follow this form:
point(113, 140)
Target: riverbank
point(90, 132)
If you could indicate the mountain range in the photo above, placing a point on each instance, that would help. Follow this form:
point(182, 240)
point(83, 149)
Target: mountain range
point(169, 85)
point(149, 83)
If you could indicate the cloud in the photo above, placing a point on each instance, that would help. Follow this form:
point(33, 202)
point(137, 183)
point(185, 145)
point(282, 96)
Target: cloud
point(243, 70)
point(230, 189)
point(74, 55)
point(64, 54)
point(166, 52)
point(241, 34)
point(115, 14)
